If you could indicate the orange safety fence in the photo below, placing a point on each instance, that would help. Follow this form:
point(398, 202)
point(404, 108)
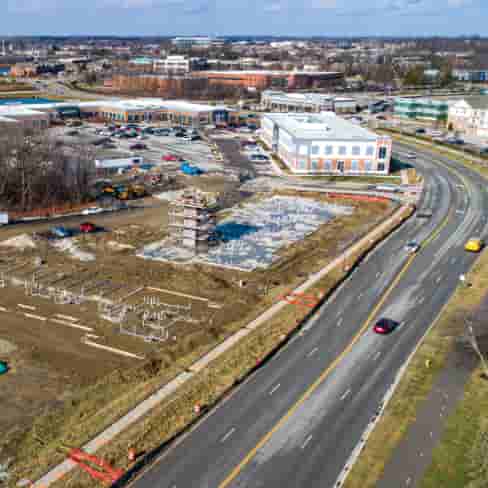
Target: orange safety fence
point(352, 196)
point(300, 299)
point(96, 467)
point(50, 211)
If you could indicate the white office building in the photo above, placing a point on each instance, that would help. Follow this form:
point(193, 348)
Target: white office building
point(470, 116)
point(325, 144)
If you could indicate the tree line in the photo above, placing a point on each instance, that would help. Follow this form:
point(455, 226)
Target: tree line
point(38, 171)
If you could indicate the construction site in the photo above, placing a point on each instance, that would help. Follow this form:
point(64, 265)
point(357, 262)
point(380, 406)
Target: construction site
point(88, 318)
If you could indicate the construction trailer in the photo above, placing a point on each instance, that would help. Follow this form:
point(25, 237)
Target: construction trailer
point(192, 220)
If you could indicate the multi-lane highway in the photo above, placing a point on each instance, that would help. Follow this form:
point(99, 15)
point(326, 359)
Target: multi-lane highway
point(296, 421)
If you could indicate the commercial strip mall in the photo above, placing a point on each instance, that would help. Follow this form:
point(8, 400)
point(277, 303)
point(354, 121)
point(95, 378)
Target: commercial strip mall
point(38, 116)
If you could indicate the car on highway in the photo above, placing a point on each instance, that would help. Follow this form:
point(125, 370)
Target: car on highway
point(412, 247)
point(385, 326)
point(474, 244)
point(87, 227)
point(420, 130)
point(411, 155)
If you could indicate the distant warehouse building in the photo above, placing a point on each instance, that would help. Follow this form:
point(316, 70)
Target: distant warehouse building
point(325, 144)
point(421, 109)
point(264, 79)
point(280, 101)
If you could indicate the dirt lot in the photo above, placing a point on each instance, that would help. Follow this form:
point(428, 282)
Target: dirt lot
point(55, 372)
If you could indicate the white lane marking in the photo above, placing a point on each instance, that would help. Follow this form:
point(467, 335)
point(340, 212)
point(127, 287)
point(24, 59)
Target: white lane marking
point(37, 317)
point(378, 274)
point(339, 322)
point(274, 388)
point(360, 295)
point(422, 300)
point(346, 394)
point(3, 309)
point(377, 355)
point(226, 436)
point(26, 307)
point(307, 440)
point(313, 351)
point(438, 280)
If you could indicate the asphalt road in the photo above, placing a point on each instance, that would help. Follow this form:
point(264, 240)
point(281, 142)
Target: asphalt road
point(296, 421)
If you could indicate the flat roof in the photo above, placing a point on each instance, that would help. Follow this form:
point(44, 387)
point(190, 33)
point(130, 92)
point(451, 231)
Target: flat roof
point(137, 104)
point(274, 72)
point(325, 125)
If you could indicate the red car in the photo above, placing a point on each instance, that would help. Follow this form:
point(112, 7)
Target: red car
point(87, 227)
point(385, 326)
point(170, 157)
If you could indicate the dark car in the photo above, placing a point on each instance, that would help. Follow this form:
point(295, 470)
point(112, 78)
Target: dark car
point(385, 326)
point(61, 232)
point(138, 146)
point(180, 134)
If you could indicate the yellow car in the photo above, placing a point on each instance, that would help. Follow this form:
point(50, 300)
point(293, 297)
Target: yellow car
point(474, 245)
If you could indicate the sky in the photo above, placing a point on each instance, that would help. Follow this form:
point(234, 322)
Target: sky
point(253, 17)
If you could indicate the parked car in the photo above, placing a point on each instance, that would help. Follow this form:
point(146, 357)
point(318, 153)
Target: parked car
point(61, 232)
point(385, 326)
point(87, 227)
point(137, 146)
point(73, 132)
point(180, 134)
point(92, 211)
point(169, 157)
point(420, 131)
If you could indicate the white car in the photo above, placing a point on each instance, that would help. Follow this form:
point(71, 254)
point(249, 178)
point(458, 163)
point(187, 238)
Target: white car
point(92, 211)
point(412, 247)
point(411, 155)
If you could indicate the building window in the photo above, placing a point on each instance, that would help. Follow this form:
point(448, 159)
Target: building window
point(368, 165)
point(315, 164)
point(381, 166)
point(303, 151)
point(340, 166)
point(302, 164)
point(355, 165)
point(383, 152)
point(342, 150)
point(356, 150)
point(328, 165)
point(328, 150)
point(370, 151)
point(314, 150)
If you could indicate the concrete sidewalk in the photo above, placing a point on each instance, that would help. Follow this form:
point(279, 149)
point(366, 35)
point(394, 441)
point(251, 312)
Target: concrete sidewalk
point(165, 391)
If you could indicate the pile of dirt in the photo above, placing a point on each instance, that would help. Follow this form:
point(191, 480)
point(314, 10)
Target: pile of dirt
point(22, 242)
point(6, 347)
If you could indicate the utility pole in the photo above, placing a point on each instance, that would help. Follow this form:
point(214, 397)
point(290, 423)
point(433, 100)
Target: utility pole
point(474, 344)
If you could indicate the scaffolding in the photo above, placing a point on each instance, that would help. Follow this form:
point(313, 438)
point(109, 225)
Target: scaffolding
point(192, 221)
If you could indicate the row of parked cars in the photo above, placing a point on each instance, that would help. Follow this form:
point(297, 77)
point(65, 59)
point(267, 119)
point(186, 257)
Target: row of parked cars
point(62, 232)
